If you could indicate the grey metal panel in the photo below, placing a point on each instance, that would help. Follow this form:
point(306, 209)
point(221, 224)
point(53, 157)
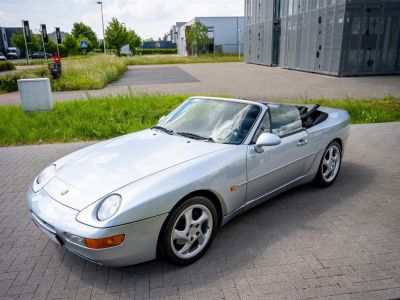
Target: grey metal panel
point(312, 48)
point(305, 41)
point(327, 42)
point(371, 38)
point(321, 4)
point(340, 38)
point(282, 54)
point(267, 43)
point(299, 33)
point(253, 43)
point(337, 37)
point(319, 39)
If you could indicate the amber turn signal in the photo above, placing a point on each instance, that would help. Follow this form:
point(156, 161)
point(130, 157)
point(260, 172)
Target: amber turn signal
point(105, 242)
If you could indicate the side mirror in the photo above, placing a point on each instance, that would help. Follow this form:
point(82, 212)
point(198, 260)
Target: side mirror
point(162, 119)
point(266, 139)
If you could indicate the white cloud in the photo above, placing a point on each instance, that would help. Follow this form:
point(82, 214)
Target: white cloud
point(149, 18)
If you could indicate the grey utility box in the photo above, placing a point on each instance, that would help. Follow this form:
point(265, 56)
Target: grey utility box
point(35, 94)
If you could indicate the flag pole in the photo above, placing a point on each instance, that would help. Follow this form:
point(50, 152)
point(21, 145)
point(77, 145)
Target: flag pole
point(44, 48)
point(58, 50)
point(26, 45)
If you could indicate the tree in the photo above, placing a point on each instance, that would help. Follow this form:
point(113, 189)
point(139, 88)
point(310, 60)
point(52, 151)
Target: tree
point(81, 30)
point(197, 37)
point(17, 40)
point(117, 35)
point(70, 44)
point(134, 41)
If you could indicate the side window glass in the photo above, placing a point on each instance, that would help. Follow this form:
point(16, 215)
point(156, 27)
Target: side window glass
point(264, 126)
point(285, 119)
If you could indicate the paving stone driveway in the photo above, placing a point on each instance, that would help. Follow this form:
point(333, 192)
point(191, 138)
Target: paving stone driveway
point(342, 242)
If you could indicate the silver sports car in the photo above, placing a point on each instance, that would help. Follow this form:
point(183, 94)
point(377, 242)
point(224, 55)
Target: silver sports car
point(164, 191)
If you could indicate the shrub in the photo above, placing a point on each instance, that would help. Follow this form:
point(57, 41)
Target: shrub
point(146, 51)
point(8, 82)
point(6, 66)
point(89, 73)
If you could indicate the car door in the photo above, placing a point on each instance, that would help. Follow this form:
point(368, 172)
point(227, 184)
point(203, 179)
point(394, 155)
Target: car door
point(278, 165)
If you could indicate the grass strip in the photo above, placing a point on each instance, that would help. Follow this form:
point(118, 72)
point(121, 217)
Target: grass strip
point(106, 117)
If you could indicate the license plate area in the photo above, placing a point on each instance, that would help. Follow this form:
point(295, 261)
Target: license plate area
point(52, 236)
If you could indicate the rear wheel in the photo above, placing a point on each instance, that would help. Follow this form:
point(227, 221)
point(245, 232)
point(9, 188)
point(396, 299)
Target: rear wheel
point(189, 231)
point(330, 165)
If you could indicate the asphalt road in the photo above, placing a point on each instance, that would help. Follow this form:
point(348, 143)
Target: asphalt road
point(341, 242)
point(238, 80)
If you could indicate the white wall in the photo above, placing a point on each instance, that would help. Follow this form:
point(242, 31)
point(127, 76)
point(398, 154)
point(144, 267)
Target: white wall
point(226, 33)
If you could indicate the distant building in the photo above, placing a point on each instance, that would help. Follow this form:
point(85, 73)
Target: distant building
point(54, 37)
point(5, 37)
point(335, 37)
point(225, 34)
point(158, 44)
point(173, 34)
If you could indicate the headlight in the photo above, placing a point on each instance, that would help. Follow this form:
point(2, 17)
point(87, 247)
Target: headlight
point(44, 177)
point(108, 207)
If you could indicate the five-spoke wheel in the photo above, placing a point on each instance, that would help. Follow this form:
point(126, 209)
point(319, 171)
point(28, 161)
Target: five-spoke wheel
point(189, 230)
point(330, 164)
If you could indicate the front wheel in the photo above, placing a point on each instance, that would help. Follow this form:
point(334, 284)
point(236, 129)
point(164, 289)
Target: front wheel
point(330, 165)
point(189, 231)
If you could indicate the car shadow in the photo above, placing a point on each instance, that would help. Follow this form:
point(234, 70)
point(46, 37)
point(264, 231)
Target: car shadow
point(270, 229)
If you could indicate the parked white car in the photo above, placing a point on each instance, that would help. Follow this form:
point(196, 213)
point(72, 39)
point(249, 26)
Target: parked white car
point(2, 57)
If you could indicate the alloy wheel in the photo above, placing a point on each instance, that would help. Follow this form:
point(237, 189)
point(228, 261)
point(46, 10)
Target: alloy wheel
point(191, 231)
point(330, 163)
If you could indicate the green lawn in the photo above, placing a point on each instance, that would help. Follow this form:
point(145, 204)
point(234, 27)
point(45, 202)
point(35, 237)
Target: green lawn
point(107, 117)
point(366, 110)
point(175, 59)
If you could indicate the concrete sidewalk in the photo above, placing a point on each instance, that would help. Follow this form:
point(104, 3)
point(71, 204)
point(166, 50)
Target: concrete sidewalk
point(239, 80)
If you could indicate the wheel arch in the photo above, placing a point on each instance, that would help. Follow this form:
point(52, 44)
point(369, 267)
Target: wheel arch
point(339, 141)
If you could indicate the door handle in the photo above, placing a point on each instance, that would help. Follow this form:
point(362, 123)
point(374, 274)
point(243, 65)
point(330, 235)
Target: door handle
point(302, 142)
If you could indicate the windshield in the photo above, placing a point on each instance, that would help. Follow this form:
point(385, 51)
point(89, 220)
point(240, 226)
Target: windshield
point(12, 51)
point(212, 120)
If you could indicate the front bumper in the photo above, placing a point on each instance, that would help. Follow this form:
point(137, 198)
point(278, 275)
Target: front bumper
point(140, 242)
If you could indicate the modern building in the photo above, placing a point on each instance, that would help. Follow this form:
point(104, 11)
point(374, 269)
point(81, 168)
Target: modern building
point(225, 34)
point(335, 37)
point(173, 33)
point(5, 37)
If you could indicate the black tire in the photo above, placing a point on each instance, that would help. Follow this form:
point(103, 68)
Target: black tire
point(165, 240)
point(320, 179)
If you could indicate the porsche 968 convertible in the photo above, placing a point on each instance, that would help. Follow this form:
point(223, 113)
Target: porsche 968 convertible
point(165, 191)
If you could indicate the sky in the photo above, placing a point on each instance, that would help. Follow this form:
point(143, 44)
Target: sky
point(149, 18)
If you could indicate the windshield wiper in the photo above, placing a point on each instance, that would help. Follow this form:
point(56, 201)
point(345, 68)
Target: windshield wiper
point(169, 131)
point(196, 136)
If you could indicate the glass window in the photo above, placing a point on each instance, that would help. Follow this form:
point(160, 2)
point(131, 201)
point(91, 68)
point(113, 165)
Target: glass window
point(265, 126)
point(223, 121)
point(285, 119)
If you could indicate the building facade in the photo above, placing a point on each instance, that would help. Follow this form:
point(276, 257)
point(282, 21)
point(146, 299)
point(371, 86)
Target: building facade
point(225, 34)
point(334, 37)
point(5, 37)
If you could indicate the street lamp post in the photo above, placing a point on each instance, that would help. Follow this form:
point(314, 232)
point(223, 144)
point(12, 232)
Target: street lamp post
point(102, 21)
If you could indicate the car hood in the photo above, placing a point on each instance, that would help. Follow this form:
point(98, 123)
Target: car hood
point(94, 174)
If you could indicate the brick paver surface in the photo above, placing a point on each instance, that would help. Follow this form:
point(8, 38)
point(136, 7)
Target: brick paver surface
point(340, 242)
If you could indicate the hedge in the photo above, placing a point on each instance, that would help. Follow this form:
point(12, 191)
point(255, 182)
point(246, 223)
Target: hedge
point(146, 51)
point(6, 66)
